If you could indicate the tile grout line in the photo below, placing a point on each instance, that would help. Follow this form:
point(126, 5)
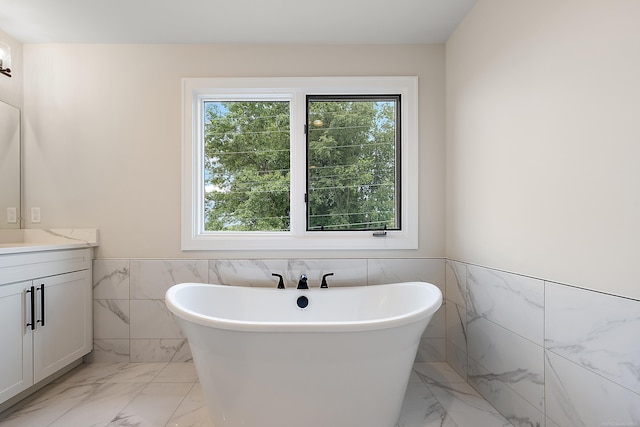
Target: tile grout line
point(180, 404)
point(449, 388)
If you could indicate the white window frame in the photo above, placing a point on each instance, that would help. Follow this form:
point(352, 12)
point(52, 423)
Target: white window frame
point(196, 90)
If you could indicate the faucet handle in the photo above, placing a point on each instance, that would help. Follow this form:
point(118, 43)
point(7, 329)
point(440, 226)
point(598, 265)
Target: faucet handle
point(280, 282)
point(324, 281)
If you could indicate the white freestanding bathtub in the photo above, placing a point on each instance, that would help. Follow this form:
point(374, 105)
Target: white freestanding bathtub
point(344, 360)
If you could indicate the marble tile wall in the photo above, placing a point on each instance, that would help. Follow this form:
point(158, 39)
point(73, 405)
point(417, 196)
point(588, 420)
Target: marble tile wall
point(544, 353)
point(132, 323)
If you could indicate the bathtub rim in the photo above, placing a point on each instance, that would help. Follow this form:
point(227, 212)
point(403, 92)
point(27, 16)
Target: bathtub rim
point(423, 313)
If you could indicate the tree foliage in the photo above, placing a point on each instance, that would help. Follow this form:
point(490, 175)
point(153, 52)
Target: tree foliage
point(351, 165)
point(351, 171)
point(247, 166)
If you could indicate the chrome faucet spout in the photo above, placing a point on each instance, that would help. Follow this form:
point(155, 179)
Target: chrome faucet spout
point(302, 284)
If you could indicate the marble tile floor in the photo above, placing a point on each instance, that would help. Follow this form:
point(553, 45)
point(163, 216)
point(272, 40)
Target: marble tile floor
point(169, 395)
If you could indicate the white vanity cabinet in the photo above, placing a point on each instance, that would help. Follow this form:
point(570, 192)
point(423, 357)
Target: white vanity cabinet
point(45, 315)
point(16, 358)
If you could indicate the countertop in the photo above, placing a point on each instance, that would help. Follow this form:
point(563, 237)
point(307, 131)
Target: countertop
point(36, 240)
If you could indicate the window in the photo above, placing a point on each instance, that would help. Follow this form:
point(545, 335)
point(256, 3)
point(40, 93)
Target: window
point(246, 165)
point(352, 144)
point(300, 163)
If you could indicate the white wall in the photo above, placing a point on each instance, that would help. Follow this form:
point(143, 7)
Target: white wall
point(11, 92)
point(543, 141)
point(103, 134)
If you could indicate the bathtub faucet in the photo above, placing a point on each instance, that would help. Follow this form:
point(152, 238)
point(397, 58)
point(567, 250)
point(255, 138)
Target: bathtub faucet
point(302, 284)
point(324, 285)
point(280, 282)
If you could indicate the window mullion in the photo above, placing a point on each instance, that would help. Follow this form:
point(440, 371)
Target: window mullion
point(298, 164)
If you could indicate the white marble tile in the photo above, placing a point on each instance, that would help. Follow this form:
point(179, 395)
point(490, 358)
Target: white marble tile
point(465, 406)
point(456, 282)
point(192, 412)
point(578, 397)
point(551, 423)
point(498, 393)
point(150, 279)
point(437, 325)
point(439, 372)
point(507, 358)
point(510, 300)
point(177, 373)
point(159, 394)
point(420, 408)
point(101, 406)
point(137, 373)
point(110, 279)
point(153, 406)
point(110, 319)
point(456, 325)
point(91, 373)
point(431, 350)
point(346, 272)
point(183, 354)
point(248, 272)
point(148, 350)
point(152, 319)
point(431, 270)
point(457, 359)
point(413, 377)
point(109, 350)
point(48, 404)
point(598, 331)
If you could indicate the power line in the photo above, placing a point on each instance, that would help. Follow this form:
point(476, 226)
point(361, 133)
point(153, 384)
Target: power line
point(236, 133)
point(351, 214)
point(337, 187)
point(351, 224)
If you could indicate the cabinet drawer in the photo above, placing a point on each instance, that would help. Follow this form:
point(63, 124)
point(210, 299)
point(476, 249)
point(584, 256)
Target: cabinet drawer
point(28, 266)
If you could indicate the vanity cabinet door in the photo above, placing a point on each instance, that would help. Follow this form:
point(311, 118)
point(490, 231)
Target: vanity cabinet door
point(16, 373)
point(64, 331)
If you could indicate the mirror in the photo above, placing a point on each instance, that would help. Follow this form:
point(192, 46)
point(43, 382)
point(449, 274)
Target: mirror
point(9, 166)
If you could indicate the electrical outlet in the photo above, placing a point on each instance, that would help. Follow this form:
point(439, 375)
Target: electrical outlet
point(35, 215)
point(12, 215)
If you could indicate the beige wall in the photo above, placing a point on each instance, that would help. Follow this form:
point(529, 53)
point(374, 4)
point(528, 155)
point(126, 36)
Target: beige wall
point(11, 87)
point(103, 134)
point(543, 141)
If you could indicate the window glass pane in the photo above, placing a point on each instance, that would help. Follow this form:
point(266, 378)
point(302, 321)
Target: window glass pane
point(352, 171)
point(246, 165)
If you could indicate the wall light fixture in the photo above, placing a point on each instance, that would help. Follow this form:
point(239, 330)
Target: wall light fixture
point(5, 59)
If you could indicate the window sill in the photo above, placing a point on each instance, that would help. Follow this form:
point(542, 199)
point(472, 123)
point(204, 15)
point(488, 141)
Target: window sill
point(327, 241)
